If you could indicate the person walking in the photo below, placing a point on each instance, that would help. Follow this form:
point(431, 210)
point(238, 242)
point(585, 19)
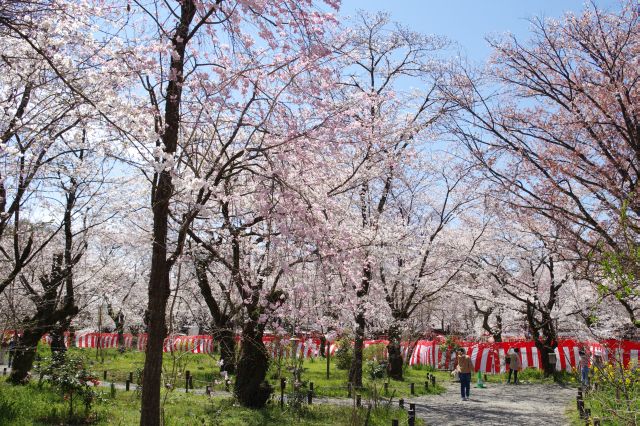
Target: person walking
point(464, 367)
point(514, 366)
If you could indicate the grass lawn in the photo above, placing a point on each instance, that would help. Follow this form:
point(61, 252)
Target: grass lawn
point(31, 405)
point(204, 369)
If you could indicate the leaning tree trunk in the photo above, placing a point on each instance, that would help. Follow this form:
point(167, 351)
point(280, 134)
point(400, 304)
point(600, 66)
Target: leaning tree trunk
point(394, 350)
point(250, 388)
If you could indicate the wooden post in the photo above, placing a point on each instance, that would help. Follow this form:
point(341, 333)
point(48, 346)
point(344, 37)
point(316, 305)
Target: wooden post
point(311, 386)
point(126, 385)
point(412, 386)
point(283, 384)
point(104, 375)
point(412, 418)
point(327, 351)
point(186, 381)
point(358, 400)
point(395, 422)
point(130, 376)
point(386, 387)
point(401, 403)
point(207, 391)
point(412, 406)
point(191, 382)
point(309, 397)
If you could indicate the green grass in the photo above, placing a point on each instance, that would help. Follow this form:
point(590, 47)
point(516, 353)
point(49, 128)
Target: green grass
point(534, 375)
point(204, 369)
point(30, 405)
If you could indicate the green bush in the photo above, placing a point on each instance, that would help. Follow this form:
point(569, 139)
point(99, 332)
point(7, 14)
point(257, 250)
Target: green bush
point(377, 370)
point(344, 354)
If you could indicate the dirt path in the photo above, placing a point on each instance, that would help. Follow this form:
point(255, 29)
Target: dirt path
point(497, 404)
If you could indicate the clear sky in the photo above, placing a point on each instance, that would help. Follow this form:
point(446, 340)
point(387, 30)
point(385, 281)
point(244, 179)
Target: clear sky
point(468, 21)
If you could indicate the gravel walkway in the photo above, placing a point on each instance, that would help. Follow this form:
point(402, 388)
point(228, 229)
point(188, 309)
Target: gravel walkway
point(498, 404)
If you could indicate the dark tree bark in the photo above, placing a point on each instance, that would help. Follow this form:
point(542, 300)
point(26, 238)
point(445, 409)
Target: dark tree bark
point(495, 332)
point(161, 195)
point(222, 319)
point(45, 319)
point(394, 349)
point(250, 388)
point(355, 371)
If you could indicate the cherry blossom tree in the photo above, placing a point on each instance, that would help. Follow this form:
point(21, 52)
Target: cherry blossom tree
point(554, 122)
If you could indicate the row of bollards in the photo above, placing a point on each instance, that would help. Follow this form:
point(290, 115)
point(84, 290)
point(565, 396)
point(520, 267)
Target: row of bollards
point(431, 379)
point(583, 412)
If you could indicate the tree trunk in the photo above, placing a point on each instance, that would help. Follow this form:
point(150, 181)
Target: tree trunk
point(24, 354)
point(355, 371)
point(251, 389)
point(323, 346)
point(161, 195)
point(394, 350)
point(227, 349)
point(57, 337)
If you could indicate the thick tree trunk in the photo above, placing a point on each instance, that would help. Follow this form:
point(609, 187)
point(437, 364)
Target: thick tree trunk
point(24, 354)
point(251, 389)
point(394, 350)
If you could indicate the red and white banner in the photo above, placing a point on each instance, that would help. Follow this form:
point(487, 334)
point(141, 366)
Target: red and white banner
point(487, 357)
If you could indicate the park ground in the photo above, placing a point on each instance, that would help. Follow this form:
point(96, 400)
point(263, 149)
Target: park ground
point(535, 401)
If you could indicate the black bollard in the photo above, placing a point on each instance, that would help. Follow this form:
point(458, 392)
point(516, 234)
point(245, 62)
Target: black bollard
point(401, 403)
point(413, 388)
point(283, 384)
point(207, 391)
point(104, 375)
point(4, 371)
point(311, 386)
point(395, 422)
point(412, 418)
point(191, 382)
point(126, 385)
point(186, 381)
point(309, 397)
point(412, 406)
point(130, 376)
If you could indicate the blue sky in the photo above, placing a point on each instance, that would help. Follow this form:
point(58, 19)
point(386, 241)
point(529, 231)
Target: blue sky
point(468, 21)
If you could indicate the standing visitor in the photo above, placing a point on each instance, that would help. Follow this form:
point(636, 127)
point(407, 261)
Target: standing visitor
point(464, 367)
point(514, 366)
point(584, 367)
